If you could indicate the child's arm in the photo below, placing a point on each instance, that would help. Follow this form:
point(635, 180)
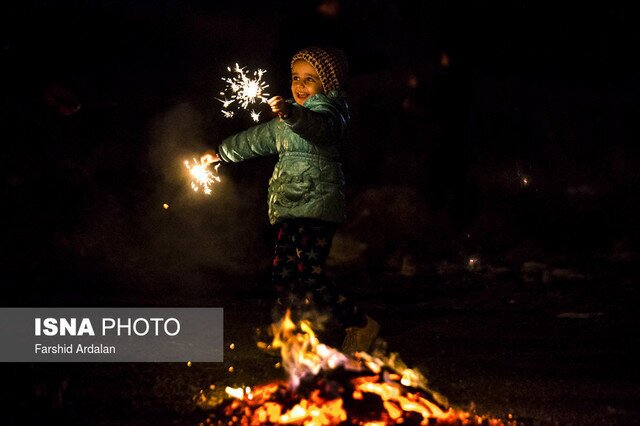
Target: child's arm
point(255, 141)
point(319, 121)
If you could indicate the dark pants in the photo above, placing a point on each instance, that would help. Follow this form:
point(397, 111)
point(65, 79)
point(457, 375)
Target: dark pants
point(298, 272)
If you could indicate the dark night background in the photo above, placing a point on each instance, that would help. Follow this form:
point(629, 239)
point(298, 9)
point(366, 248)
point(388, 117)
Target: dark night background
point(492, 167)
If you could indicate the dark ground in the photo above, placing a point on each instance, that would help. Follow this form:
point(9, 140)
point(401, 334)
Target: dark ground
point(562, 351)
point(506, 135)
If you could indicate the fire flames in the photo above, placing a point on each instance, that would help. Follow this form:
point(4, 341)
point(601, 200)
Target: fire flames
point(327, 387)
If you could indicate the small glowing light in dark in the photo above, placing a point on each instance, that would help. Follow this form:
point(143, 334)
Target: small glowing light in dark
point(445, 61)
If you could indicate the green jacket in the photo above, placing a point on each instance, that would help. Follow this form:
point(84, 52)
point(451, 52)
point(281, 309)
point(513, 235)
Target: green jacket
point(307, 181)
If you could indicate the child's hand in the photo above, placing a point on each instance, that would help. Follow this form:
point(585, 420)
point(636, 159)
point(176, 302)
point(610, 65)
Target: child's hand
point(280, 106)
point(209, 156)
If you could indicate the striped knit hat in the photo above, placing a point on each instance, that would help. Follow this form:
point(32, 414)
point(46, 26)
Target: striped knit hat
point(329, 63)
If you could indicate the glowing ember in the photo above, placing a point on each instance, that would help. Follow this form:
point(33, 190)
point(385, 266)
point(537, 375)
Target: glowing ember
point(235, 392)
point(201, 176)
point(326, 387)
point(242, 90)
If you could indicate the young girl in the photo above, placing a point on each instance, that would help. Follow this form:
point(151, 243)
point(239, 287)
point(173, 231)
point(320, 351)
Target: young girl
point(306, 190)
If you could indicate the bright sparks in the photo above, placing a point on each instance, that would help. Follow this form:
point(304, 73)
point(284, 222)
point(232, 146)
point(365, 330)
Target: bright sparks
point(363, 389)
point(202, 178)
point(242, 89)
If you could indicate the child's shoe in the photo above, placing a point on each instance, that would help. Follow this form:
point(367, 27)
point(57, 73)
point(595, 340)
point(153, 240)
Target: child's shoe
point(360, 339)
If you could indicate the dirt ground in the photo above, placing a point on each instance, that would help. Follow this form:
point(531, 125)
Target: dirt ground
point(556, 351)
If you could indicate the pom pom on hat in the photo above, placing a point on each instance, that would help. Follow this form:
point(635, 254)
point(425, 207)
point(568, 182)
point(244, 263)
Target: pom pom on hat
point(330, 64)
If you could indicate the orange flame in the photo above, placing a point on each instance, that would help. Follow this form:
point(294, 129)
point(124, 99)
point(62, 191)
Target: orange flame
point(302, 353)
point(396, 392)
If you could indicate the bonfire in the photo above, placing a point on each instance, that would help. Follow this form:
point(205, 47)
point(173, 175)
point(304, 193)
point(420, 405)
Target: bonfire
point(327, 387)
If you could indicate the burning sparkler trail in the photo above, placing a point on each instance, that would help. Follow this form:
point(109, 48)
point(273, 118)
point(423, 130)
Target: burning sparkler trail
point(201, 176)
point(243, 88)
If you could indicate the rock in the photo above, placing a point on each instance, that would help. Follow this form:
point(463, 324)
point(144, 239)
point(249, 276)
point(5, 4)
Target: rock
point(560, 274)
point(409, 266)
point(579, 315)
point(535, 272)
point(346, 251)
point(533, 267)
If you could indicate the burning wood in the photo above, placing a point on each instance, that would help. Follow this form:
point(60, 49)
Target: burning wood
point(327, 387)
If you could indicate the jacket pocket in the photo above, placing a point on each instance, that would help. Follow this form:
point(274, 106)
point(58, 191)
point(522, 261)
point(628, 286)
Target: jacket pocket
point(291, 191)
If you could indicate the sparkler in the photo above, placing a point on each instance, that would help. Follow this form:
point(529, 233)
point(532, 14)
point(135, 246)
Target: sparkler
point(243, 90)
point(202, 177)
point(255, 116)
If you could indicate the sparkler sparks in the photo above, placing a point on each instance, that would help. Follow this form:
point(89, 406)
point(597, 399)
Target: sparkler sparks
point(243, 90)
point(202, 177)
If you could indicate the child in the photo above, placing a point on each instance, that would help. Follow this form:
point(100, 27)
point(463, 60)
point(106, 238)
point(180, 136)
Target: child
point(306, 190)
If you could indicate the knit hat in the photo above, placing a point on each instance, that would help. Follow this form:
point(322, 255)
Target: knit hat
point(330, 64)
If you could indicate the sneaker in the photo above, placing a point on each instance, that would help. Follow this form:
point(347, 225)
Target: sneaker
point(360, 339)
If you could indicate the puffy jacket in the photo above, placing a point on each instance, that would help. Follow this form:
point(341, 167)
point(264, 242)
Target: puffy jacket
point(307, 181)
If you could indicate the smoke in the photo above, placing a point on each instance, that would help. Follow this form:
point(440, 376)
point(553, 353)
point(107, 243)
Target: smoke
point(198, 241)
point(220, 231)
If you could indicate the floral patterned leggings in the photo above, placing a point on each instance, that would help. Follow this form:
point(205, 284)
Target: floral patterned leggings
point(298, 271)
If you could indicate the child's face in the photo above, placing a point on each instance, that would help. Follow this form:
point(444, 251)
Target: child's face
point(304, 81)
